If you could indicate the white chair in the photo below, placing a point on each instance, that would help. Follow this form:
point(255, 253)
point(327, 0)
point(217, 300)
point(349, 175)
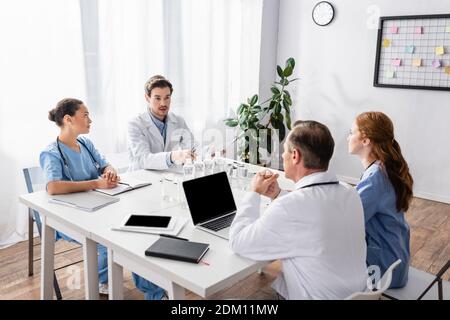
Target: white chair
point(383, 284)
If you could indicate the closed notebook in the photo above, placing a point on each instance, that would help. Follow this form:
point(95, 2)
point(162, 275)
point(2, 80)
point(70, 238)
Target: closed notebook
point(87, 201)
point(176, 249)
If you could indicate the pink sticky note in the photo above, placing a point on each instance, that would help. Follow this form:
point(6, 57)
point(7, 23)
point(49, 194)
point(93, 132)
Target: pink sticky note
point(396, 62)
point(394, 29)
point(436, 63)
point(418, 30)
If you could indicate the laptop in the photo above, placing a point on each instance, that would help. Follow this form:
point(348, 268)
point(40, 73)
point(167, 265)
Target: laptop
point(211, 203)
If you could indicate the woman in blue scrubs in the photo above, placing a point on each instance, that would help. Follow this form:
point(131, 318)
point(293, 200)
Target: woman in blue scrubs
point(72, 164)
point(386, 192)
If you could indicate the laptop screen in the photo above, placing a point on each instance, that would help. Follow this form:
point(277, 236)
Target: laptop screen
point(209, 197)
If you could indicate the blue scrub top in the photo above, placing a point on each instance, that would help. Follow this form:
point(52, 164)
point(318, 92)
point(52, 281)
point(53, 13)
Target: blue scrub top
point(81, 165)
point(387, 232)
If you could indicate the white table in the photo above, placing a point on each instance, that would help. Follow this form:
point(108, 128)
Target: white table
point(126, 249)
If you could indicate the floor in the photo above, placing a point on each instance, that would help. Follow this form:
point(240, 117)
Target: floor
point(430, 250)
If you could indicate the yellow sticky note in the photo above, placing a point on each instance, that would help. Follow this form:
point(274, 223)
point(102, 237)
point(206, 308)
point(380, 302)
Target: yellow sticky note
point(386, 43)
point(439, 50)
point(417, 62)
point(447, 70)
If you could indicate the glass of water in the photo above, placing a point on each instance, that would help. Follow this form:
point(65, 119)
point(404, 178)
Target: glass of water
point(169, 188)
point(209, 166)
point(199, 169)
point(219, 165)
point(242, 172)
point(188, 170)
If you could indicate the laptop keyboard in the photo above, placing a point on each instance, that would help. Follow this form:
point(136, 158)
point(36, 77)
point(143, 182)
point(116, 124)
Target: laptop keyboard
point(220, 223)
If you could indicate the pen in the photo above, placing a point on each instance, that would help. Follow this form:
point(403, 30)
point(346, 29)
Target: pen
point(173, 237)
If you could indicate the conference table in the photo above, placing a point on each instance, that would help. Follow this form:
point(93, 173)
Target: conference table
point(221, 268)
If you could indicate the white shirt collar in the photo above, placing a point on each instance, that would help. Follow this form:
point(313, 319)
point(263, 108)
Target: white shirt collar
point(315, 177)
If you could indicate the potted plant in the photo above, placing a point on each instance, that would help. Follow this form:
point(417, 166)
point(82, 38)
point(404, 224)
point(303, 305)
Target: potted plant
point(258, 122)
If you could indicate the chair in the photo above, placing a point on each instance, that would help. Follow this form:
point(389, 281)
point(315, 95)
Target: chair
point(420, 284)
point(35, 181)
point(383, 284)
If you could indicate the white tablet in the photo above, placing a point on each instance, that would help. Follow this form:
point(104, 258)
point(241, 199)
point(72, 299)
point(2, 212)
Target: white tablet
point(147, 222)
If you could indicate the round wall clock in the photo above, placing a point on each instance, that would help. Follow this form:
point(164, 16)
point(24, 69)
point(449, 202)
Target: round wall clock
point(323, 13)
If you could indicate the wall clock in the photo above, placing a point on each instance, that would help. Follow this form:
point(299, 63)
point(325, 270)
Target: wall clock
point(323, 13)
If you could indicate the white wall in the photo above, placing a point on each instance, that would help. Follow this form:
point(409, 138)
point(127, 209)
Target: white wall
point(336, 66)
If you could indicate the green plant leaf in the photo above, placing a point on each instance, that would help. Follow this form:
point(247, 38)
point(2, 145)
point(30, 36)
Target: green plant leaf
point(282, 131)
point(290, 62)
point(285, 82)
point(272, 104)
point(274, 121)
point(280, 71)
point(254, 100)
point(287, 93)
point(256, 108)
point(288, 119)
point(231, 122)
point(277, 108)
point(241, 108)
point(269, 141)
point(288, 70)
point(275, 90)
point(287, 100)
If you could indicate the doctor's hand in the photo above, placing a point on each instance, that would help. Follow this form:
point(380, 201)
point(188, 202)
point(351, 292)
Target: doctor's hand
point(180, 156)
point(264, 183)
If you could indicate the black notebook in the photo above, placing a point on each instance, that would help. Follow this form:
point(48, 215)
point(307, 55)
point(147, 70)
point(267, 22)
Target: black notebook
point(177, 249)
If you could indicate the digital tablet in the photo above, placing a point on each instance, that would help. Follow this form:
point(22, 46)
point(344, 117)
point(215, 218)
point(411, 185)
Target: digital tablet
point(143, 221)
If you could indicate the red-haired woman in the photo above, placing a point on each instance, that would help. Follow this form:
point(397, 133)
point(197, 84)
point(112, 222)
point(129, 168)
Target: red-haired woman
point(386, 192)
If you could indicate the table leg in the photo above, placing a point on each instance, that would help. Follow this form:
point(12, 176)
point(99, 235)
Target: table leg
point(47, 260)
point(90, 269)
point(176, 292)
point(115, 278)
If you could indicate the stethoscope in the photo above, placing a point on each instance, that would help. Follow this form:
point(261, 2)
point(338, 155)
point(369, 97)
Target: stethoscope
point(367, 168)
point(66, 165)
point(319, 184)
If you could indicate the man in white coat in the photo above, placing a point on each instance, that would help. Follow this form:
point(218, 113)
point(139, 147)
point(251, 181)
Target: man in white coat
point(317, 230)
point(158, 139)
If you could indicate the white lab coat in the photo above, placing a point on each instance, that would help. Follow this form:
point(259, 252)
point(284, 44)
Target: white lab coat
point(146, 147)
point(317, 232)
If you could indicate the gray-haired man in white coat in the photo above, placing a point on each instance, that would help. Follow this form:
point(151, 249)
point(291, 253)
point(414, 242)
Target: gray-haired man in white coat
point(317, 230)
point(158, 139)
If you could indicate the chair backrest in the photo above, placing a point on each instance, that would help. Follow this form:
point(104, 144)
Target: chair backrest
point(383, 284)
point(34, 178)
point(35, 181)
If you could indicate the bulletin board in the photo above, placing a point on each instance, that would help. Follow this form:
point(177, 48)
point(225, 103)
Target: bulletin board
point(413, 52)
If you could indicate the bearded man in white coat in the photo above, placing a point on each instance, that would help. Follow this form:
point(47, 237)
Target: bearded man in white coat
point(316, 230)
point(158, 139)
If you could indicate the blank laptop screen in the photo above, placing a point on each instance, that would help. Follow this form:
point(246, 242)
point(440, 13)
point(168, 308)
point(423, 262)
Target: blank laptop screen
point(209, 197)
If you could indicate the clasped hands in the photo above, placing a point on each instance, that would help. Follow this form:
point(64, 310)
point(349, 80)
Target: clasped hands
point(265, 183)
point(109, 179)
